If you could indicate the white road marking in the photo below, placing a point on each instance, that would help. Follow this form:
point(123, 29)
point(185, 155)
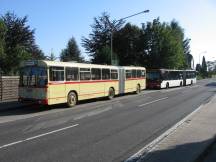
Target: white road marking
point(153, 101)
point(143, 152)
point(38, 136)
point(10, 144)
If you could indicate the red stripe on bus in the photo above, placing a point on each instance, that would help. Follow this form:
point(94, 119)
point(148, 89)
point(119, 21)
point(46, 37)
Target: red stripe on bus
point(57, 97)
point(81, 82)
point(80, 95)
point(134, 78)
point(92, 93)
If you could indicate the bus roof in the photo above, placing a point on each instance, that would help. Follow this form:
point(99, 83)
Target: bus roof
point(170, 70)
point(45, 63)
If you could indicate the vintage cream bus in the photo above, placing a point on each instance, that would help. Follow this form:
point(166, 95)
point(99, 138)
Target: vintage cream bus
point(54, 82)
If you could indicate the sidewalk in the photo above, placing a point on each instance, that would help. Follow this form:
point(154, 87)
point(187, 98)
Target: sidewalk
point(9, 105)
point(192, 141)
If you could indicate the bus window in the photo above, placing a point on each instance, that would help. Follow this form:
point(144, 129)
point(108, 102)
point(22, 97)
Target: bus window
point(33, 76)
point(188, 75)
point(143, 73)
point(139, 73)
point(56, 73)
point(153, 75)
point(72, 74)
point(114, 74)
point(105, 74)
point(173, 75)
point(85, 74)
point(128, 74)
point(96, 74)
point(134, 73)
point(180, 75)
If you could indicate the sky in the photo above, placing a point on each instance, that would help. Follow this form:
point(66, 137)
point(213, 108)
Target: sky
point(56, 21)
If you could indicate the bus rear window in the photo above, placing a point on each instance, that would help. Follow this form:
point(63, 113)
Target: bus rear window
point(33, 76)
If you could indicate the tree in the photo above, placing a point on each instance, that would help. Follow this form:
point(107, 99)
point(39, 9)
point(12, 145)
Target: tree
point(51, 57)
point(127, 45)
point(102, 56)
point(187, 53)
point(155, 45)
point(163, 44)
point(100, 37)
point(19, 43)
point(71, 52)
point(2, 43)
point(198, 68)
point(204, 68)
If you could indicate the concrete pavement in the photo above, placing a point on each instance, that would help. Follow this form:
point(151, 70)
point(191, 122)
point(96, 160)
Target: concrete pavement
point(190, 141)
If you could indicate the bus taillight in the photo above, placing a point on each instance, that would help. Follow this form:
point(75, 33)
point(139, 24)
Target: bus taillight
point(43, 102)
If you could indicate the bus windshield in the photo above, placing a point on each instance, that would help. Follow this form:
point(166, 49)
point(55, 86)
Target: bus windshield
point(33, 76)
point(153, 75)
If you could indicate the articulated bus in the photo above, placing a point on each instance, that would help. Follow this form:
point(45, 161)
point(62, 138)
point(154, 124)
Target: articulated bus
point(54, 82)
point(165, 78)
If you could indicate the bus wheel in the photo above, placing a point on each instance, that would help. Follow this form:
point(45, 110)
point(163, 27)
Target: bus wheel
point(111, 93)
point(191, 82)
point(71, 99)
point(138, 89)
point(167, 85)
point(180, 84)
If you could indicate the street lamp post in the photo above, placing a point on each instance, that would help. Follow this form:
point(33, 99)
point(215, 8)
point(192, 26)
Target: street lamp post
point(111, 35)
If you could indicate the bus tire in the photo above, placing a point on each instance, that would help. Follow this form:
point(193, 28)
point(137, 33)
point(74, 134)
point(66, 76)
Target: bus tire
point(180, 84)
point(167, 85)
point(111, 93)
point(191, 82)
point(138, 89)
point(72, 99)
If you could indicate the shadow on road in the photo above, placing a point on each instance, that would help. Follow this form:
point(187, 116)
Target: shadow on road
point(31, 109)
point(187, 152)
point(212, 84)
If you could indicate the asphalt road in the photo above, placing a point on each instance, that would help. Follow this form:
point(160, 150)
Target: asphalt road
point(97, 130)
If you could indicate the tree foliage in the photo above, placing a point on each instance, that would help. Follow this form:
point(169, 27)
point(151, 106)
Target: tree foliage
point(127, 45)
point(198, 68)
point(204, 68)
point(2, 43)
point(71, 52)
point(155, 45)
point(19, 43)
point(164, 47)
point(187, 53)
point(100, 38)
